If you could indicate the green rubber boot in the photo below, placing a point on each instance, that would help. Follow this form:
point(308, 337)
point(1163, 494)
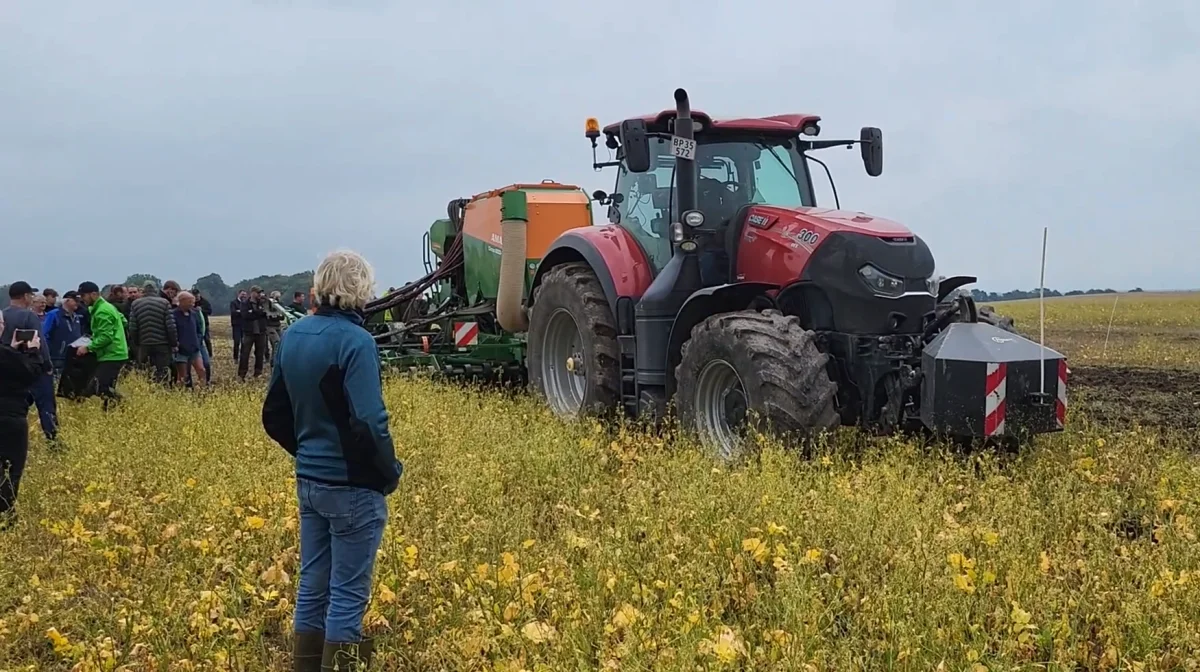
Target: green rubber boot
point(307, 650)
point(347, 656)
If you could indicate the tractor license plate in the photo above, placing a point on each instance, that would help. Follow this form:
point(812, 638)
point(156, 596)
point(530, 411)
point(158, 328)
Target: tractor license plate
point(684, 148)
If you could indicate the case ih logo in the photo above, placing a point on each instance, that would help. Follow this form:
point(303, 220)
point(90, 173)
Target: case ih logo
point(802, 238)
point(759, 221)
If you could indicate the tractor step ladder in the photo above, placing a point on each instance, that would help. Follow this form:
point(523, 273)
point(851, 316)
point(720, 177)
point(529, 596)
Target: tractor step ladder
point(629, 391)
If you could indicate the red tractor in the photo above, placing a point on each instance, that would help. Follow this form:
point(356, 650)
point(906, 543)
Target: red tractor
point(720, 285)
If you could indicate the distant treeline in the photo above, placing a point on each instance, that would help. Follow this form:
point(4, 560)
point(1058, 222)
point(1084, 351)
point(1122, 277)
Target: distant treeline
point(220, 294)
point(212, 286)
point(981, 296)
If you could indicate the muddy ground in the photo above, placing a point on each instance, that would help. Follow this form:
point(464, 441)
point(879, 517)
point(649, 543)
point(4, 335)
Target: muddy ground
point(1123, 396)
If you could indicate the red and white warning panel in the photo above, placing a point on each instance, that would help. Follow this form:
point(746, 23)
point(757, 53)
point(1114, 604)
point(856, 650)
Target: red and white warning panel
point(466, 334)
point(994, 392)
point(983, 381)
point(1060, 406)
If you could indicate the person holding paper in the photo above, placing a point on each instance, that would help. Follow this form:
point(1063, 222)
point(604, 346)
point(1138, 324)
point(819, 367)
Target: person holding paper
point(107, 342)
point(60, 328)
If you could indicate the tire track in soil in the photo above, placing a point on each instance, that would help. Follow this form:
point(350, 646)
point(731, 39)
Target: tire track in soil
point(1124, 395)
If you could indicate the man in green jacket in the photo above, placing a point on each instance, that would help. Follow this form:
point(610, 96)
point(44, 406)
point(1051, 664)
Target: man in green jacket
point(108, 342)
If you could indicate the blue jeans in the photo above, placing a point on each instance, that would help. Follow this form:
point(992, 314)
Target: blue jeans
point(340, 530)
point(206, 355)
point(42, 394)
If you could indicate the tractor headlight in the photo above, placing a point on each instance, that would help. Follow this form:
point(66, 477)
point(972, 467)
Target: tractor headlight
point(883, 284)
point(932, 284)
point(693, 218)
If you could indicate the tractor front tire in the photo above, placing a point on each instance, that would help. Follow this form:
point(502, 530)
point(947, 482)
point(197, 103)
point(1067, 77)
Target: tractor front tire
point(574, 361)
point(984, 314)
point(762, 366)
point(988, 315)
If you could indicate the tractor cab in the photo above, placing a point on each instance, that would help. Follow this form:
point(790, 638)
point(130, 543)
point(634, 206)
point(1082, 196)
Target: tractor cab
point(732, 172)
point(737, 163)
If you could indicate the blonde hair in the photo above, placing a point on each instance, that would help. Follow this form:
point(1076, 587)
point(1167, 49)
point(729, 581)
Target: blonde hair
point(184, 295)
point(344, 280)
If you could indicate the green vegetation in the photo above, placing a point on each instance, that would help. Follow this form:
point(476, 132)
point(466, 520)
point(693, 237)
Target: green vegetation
point(166, 539)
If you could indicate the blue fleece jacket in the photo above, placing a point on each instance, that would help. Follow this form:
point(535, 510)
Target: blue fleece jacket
point(60, 329)
point(189, 330)
point(324, 403)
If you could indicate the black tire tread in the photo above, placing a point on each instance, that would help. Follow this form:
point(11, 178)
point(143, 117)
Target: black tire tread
point(789, 385)
point(596, 320)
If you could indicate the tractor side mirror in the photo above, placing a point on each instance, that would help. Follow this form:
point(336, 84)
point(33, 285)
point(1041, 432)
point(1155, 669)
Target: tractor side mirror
point(871, 141)
point(600, 196)
point(636, 145)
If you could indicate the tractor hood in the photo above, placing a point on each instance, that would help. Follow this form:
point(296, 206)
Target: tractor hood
point(829, 220)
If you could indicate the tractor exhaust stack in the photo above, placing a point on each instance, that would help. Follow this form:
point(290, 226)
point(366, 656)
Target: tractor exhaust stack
point(685, 167)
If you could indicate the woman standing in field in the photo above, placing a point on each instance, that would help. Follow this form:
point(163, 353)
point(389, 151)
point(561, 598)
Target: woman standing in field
point(324, 405)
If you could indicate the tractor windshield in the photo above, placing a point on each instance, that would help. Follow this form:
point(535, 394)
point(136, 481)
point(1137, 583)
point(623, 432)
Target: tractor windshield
point(770, 171)
point(733, 171)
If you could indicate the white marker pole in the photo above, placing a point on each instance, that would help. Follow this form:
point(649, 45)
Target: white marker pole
point(1042, 309)
point(1104, 352)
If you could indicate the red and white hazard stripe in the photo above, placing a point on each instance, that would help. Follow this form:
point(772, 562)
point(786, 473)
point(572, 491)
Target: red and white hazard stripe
point(1060, 404)
point(466, 334)
point(993, 406)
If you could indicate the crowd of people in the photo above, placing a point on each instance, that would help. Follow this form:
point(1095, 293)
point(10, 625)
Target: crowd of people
point(257, 324)
point(345, 462)
point(77, 345)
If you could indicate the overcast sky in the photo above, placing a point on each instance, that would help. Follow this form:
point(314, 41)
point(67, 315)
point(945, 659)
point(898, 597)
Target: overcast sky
point(246, 137)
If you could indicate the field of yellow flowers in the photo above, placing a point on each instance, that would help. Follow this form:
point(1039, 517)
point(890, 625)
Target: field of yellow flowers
point(1145, 329)
point(164, 537)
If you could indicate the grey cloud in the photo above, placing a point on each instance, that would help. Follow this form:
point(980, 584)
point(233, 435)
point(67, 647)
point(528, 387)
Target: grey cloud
point(251, 137)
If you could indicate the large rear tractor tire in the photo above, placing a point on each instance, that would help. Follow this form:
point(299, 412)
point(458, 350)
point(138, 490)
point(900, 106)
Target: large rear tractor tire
point(574, 360)
point(753, 369)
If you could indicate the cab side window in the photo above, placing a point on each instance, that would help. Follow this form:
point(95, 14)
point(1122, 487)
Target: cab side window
point(644, 210)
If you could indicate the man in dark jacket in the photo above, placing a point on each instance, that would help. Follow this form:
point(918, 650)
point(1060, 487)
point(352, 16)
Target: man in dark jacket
point(254, 333)
point(237, 312)
point(170, 291)
point(60, 328)
point(18, 315)
point(121, 300)
point(152, 332)
point(20, 367)
point(298, 302)
point(85, 318)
